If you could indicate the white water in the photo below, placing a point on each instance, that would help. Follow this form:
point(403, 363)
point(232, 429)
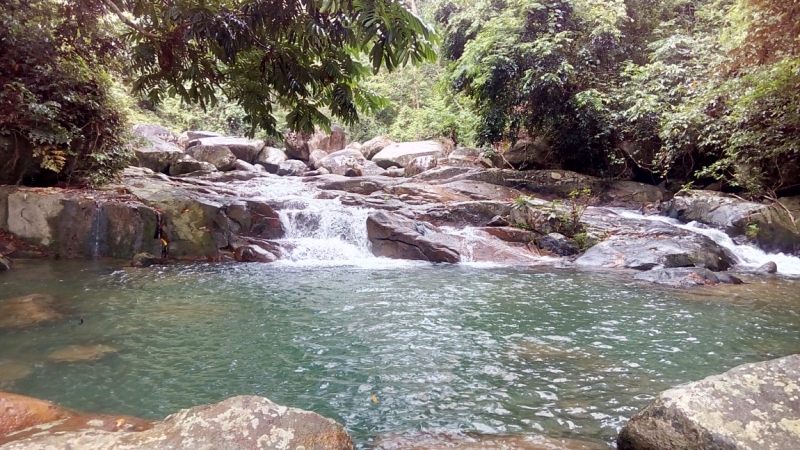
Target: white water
point(748, 256)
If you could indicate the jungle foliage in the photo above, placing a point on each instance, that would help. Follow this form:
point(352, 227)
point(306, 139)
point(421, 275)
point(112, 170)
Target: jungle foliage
point(686, 89)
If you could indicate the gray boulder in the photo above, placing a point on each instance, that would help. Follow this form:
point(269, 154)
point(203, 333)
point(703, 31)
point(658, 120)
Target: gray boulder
point(420, 164)
point(769, 267)
point(315, 158)
point(145, 260)
point(292, 167)
point(666, 247)
point(371, 148)
point(270, 159)
point(189, 136)
point(369, 168)
point(398, 238)
point(400, 155)
point(253, 253)
point(155, 147)
point(468, 157)
point(186, 165)
point(219, 156)
point(245, 149)
point(770, 227)
point(753, 406)
point(247, 167)
point(242, 423)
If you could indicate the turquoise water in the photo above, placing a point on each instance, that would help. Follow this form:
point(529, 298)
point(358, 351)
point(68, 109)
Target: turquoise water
point(491, 350)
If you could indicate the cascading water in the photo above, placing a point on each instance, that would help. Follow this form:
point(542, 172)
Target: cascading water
point(748, 256)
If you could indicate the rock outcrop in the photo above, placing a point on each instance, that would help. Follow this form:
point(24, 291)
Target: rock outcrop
point(753, 406)
point(395, 237)
point(770, 227)
point(243, 423)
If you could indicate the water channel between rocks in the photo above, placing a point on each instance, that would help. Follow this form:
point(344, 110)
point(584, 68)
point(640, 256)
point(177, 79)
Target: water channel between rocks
point(387, 346)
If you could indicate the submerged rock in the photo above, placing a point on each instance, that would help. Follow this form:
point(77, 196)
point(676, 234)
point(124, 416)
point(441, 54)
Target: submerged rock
point(26, 311)
point(80, 353)
point(753, 406)
point(686, 277)
point(145, 260)
point(769, 267)
point(11, 371)
point(243, 423)
point(430, 440)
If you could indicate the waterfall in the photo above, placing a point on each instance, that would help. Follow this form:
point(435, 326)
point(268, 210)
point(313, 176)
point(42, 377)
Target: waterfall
point(747, 256)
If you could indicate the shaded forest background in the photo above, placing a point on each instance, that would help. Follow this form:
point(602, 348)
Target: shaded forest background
point(698, 91)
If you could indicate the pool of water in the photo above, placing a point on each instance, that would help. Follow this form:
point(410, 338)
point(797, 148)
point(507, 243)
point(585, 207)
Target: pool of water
point(392, 347)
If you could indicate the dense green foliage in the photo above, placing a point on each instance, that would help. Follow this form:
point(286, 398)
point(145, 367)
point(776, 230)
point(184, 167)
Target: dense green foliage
point(704, 89)
point(57, 122)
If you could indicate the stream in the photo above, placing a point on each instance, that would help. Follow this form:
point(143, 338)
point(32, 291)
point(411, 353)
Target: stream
point(389, 346)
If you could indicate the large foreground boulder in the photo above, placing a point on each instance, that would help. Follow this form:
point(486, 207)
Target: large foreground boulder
point(753, 406)
point(398, 238)
point(401, 154)
point(770, 227)
point(242, 423)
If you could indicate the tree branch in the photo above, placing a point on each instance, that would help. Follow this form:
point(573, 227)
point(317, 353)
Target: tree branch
point(110, 4)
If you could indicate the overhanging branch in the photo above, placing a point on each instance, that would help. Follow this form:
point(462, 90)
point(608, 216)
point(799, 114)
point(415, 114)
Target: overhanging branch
point(111, 5)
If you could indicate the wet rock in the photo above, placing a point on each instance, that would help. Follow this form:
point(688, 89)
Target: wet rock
point(667, 247)
point(679, 277)
point(398, 238)
point(770, 227)
point(769, 267)
point(145, 260)
point(244, 422)
point(401, 154)
point(727, 278)
point(253, 253)
point(510, 234)
point(498, 221)
point(219, 156)
point(27, 311)
point(420, 164)
point(753, 406)
point(156, 147)
point(431, 440)
point(186, 165)
point(371, 148)
point(558, 244)
point(10, 372)
point(461, 214)
point(189, 136)
point(5, 264)
point(292, 167)
point(270, 159)
point(82, 353)
point(245, 149)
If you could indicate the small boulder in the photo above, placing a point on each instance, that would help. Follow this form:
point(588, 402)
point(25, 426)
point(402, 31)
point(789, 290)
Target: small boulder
point(769, 267)
point(186, 164)
point(189, 136)
point(420, 164)
point(395, 172)
point(247, 167)
point(292, 167)
point(398, 238)
point(220, 156)
point(558, 244)
point(245, 149)
point(253, 253)
point(400, 155)
point(270, 159)
point(344, 162)
point(145, 260)
point(375, 145)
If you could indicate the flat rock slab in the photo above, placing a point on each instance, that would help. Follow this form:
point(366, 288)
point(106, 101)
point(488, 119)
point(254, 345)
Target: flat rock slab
point(750, 407)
